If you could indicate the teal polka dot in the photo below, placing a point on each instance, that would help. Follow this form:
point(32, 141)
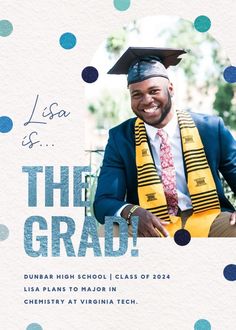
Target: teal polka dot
point(34, 326)
point(202, 325)
point(121, 4)
point(6, 28)
point(6, 124)
point(67, 40)
point(202, 23)
point(4, 232)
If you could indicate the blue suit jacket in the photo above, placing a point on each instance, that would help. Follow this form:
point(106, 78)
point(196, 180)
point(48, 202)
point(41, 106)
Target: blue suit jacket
point(117, 182)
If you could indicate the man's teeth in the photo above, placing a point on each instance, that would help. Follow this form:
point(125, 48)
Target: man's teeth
point(151, 110)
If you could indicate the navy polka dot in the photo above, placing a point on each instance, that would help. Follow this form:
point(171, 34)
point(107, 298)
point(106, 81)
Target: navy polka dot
point(90, 74)
point(182, 237)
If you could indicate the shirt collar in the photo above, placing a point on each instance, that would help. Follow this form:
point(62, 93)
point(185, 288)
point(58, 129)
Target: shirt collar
point(170, 128)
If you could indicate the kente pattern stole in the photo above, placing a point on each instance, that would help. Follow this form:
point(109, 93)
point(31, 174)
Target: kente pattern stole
point(200, 182)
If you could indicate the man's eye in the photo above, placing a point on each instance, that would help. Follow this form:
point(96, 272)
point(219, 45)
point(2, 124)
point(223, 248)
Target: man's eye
point(136, 96)
point(154, 91)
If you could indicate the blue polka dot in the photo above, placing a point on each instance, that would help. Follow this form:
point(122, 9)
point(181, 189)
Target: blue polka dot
point(90, 74)
point(4, 232)
point(121, 5)
point(67, 40)
point(202, 325)
point(6, 28)
point(6, 124)
point(34, 326)
point(202, 23)
point(230, 74)
point(182, 237)
point(230, 272)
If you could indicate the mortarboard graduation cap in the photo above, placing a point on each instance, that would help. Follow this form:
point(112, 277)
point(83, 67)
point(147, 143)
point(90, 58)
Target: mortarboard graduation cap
point(141, 63)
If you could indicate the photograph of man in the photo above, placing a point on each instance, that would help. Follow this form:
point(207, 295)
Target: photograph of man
point(163, 165)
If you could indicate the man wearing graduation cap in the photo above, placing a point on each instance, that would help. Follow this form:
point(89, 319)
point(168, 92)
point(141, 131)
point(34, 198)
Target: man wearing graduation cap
point(163, 166)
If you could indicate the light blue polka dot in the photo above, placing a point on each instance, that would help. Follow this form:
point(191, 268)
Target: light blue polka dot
point(4, 232)
point(67, 40)
point(6, 28)
point(34, 326)
point(202, 325)
point(121, 4)
point(6, 124)
point(230, 74)
point(202, 23)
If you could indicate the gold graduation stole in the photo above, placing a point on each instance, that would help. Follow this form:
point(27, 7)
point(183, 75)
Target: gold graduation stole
point(200, 182)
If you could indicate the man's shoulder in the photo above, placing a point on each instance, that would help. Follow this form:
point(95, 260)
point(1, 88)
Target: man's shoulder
point(205, 119)
point(126, 127)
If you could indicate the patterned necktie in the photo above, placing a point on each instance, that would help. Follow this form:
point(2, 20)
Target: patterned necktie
point(168, 173)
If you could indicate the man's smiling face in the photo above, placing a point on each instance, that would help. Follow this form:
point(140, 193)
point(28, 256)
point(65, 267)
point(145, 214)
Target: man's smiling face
point(151, 101)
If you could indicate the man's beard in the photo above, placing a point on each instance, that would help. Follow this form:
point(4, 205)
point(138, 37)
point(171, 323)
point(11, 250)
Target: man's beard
point(164, 112)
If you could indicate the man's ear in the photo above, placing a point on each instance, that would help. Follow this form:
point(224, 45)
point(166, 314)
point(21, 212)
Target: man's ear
point(171, 89)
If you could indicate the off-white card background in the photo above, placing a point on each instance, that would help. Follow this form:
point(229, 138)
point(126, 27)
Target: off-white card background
point(32, 62)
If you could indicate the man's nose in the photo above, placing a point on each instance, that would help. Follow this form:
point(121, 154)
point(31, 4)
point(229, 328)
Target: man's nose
point(147, 99)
